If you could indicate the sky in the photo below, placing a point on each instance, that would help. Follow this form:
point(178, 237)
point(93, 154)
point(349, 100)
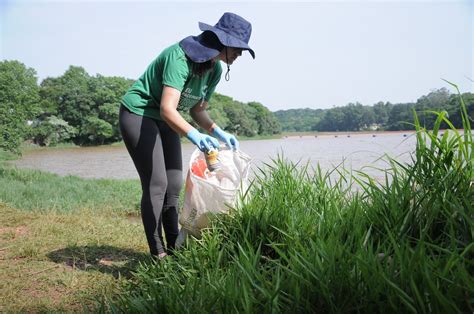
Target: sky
point(309, 54)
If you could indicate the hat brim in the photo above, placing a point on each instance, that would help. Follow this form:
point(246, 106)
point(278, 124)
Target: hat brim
point(196, 51)
point(226, 39)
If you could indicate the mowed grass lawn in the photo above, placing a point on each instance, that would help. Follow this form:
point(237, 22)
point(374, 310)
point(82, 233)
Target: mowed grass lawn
point(65, 243)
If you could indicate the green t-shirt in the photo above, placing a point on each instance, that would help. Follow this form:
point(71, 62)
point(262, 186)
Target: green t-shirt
point(170, 68)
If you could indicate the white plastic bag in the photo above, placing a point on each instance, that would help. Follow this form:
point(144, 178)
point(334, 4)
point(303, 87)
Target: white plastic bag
point(212, 192)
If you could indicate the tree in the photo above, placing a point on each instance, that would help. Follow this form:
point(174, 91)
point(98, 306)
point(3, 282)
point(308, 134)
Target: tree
point(299, 119)
point(216, 110)
point(106, 94)
point(97, 131)
point(90, 105)
point(76, 102)
point(18, 103)
point(454, 109)
point(266, 121)
point(51, 131)
point(50, 92)
point(366, 117)
point(240, 120)
point(401, 117)
point(436, 100)
point(333, 120)
point(381, 112)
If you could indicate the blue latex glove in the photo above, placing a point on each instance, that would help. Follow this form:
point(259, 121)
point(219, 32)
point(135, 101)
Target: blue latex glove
point(228, 138)
point(202, 141)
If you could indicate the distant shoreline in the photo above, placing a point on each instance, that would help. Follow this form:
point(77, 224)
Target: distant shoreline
point(349, 133)
point(342, 133)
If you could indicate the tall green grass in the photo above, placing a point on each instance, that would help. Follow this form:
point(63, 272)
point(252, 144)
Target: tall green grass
point(307, 243)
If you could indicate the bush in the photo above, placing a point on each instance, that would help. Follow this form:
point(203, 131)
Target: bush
point(52, 131)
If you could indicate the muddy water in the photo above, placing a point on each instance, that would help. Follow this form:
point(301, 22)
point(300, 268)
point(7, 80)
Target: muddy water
point(356, 151)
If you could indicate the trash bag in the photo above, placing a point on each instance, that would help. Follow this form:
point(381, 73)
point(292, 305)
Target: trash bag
point(209, 193)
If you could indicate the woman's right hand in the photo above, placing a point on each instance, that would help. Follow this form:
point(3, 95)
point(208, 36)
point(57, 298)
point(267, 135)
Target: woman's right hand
point(202, 141)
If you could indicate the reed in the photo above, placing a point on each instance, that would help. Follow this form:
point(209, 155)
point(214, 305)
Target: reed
point(305, 242)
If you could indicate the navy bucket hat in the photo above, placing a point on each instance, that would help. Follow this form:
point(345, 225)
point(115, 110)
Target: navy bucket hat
point(231, 30)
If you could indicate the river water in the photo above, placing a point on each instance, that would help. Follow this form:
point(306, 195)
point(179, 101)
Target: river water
point(357, 151)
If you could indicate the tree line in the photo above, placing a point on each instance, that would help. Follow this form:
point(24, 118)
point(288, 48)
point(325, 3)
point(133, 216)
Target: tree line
point(83, 109)
point(380, 116)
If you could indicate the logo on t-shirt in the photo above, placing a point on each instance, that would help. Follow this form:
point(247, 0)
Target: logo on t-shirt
point(191, 96)
point(204, 91)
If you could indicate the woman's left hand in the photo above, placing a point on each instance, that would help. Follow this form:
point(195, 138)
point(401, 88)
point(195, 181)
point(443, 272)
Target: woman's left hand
point(228, 138)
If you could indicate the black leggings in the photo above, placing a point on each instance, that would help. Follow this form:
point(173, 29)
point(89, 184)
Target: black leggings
point(156, 152)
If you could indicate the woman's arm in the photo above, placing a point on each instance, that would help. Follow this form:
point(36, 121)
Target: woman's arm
point(168, 111)
point(200, 115)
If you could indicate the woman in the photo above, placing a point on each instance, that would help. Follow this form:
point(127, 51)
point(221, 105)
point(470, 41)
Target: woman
point(182, 77)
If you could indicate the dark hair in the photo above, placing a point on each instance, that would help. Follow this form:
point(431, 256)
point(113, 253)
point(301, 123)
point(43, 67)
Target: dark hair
point(208, 39)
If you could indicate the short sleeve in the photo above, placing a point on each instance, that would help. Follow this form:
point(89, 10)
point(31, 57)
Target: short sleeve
point(214, 79)
point(175, 71)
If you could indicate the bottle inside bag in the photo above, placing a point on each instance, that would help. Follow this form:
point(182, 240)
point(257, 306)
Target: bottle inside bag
point(206, 168)
point(212, 159)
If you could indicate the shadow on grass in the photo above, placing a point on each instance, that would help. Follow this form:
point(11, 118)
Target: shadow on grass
point(102, 258)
